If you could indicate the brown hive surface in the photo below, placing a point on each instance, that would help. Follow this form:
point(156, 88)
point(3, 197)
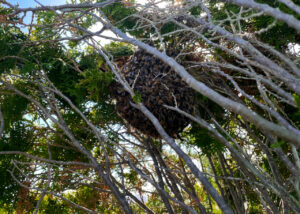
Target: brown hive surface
point(157, 85)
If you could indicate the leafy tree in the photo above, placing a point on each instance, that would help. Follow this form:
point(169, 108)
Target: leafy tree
point(66, 146)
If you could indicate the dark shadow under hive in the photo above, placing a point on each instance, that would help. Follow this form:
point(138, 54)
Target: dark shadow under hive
point(157, 85)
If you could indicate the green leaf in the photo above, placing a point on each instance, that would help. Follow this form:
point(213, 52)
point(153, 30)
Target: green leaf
point(277, 144)
point(27, 69)
point(118, 49)
point(200, 137)
point(297, 99)
point(137, 98)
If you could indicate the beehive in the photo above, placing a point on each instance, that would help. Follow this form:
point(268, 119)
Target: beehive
point(156, 84)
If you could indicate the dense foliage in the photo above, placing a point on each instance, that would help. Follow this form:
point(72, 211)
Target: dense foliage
point(67, 101)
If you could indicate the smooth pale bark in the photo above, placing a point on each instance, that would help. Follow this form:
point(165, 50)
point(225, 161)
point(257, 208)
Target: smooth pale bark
point(226, 103)
point(274, 12)
point(208, 186)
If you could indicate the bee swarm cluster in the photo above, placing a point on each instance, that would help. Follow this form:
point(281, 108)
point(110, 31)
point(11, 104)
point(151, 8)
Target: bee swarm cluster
point(157, 85)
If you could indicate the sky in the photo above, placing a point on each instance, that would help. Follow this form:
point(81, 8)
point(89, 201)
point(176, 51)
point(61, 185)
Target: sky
point(32, 3)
